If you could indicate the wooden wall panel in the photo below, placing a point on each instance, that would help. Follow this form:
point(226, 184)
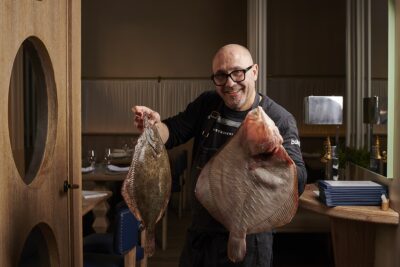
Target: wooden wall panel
point(42, 203)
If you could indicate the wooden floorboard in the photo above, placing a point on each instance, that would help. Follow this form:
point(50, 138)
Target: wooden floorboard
point(175, 240)
point(290, 250)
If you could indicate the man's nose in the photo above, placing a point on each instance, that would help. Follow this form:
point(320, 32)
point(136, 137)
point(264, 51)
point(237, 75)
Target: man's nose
point(229, 82)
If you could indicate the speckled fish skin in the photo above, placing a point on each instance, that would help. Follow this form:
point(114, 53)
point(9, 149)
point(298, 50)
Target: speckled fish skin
point(250, 185)
point(147, 187)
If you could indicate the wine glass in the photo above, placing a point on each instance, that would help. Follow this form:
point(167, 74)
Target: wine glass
point(92, 157)
point(125, 147)
point(107, 156)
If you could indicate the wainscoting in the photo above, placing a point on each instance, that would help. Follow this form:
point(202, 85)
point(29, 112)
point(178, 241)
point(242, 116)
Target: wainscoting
point(107, 103)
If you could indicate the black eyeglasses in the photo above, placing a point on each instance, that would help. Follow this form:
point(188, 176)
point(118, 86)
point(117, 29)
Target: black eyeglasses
point(220, 79)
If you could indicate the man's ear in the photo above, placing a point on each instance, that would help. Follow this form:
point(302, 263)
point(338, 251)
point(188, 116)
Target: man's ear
point(255, 71)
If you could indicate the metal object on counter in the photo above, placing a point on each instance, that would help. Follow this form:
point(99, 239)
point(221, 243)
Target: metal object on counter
point(375, 156)
point(335, 164)
point(327, 151)
point(331, 161)
point(323, 110)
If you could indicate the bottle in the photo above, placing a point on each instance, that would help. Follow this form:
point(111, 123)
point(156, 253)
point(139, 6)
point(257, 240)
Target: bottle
point(384, 163)
point(335, 164)
point(327, 151)
point(327, 158)
point(375, 156)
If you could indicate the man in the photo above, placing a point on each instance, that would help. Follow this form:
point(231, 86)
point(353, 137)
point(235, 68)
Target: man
point(211, 119)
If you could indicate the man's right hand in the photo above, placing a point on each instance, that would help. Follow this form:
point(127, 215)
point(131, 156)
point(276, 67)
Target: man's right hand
point(142, 111)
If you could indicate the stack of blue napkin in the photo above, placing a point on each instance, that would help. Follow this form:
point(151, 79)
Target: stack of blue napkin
point(351, 193)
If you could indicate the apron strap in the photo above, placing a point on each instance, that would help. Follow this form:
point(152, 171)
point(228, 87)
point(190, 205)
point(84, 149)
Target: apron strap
point(212, 118)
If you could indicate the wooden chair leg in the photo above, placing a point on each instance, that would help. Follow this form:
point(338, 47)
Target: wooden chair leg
point(130, 258)
point(143, 262)
point(164, 230)
point(185, 181)
point(180, 201)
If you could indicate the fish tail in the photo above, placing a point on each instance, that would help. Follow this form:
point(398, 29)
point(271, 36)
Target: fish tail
point(236, 247)
point(150, 245)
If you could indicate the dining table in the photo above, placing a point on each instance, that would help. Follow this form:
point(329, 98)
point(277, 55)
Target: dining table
point(102, 178)
point(90, 199)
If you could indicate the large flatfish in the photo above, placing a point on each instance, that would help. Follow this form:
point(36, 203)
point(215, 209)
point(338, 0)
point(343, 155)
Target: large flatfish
point(250, 185)
point(147, 187)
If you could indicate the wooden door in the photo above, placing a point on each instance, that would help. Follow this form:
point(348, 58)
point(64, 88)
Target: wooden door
point(40, 222)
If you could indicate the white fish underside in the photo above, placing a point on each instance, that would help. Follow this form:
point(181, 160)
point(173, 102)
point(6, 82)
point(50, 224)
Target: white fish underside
point(248, 194)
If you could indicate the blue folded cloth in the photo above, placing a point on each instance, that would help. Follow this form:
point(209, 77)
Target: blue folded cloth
point(351, 193)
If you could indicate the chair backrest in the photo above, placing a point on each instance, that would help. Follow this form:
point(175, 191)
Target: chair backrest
point(178, 166)
point(126, 235)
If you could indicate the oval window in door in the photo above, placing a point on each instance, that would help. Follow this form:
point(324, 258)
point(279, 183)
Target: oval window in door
point(40, 248)
point(31, 100)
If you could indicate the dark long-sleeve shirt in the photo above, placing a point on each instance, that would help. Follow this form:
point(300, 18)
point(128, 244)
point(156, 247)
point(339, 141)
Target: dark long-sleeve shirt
point(191, 122)
point(207, 238)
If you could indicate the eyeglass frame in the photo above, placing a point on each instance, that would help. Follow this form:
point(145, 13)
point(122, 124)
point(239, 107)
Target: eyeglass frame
point(229, 75)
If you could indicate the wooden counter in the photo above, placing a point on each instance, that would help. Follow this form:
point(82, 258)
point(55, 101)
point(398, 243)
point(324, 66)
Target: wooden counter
point(373, 214)
point(353, 228)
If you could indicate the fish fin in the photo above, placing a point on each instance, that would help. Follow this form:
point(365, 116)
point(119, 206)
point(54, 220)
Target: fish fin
point(128, 200)
point(149, 246)
point(163, 210)
point(236, 247)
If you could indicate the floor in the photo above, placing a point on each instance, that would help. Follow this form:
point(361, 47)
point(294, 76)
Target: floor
point(176, 237)
point(290, 250)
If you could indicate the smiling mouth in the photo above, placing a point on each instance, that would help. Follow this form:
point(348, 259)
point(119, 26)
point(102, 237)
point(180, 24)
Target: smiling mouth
point(232, 92)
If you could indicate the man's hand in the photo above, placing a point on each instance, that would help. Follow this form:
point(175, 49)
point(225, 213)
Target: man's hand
point(142, 111)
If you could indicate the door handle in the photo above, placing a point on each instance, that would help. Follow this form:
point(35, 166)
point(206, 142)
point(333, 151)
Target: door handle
point(68, 186)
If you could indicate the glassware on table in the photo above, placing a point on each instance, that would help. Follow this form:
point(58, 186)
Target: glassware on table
point(125, 147)
point(92, 157)
point(107, 156)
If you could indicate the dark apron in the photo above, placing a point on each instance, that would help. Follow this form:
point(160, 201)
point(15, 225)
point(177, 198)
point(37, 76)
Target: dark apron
point(206, 239)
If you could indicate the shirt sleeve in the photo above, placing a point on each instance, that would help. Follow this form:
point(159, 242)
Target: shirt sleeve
point(291, 143)
point(185, 125)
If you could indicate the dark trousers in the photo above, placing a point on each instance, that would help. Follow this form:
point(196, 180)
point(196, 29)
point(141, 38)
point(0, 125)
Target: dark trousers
point(206, 249)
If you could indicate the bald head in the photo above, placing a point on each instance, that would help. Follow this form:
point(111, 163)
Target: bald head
point(232, 53)
point(236, 74)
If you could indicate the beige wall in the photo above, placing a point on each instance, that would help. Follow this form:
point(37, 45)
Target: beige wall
point(152, 38)
point(178, 38)
point(379, 39)
point(306, 37)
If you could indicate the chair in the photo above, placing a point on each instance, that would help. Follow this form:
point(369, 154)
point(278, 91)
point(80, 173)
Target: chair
point(179, 176)
point(117, 249)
